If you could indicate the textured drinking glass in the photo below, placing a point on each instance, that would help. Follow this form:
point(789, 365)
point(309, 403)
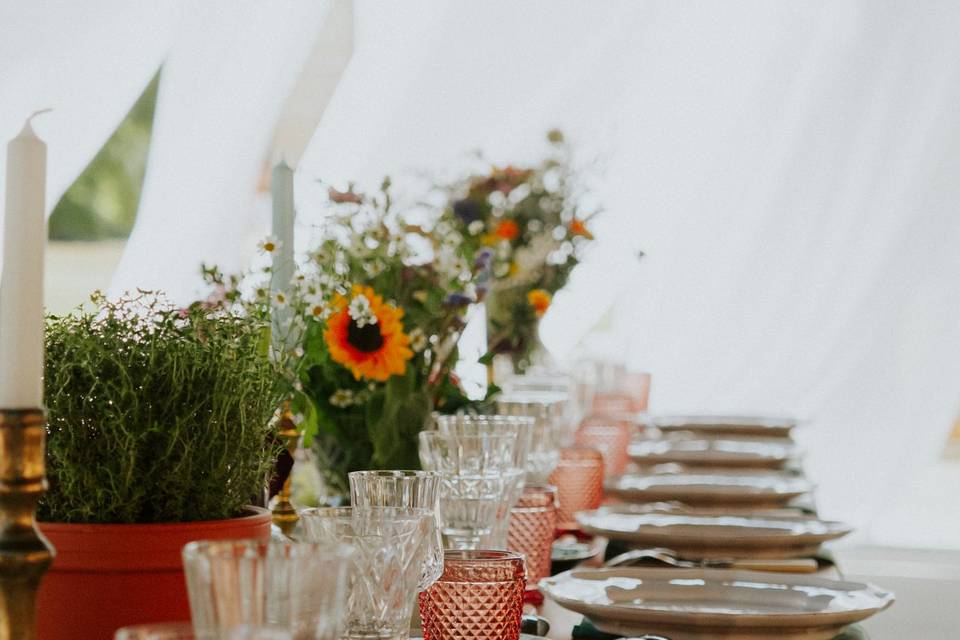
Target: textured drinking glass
point(475, 475)
point(579, 482)
point(611, 439)
point(478, 597)
point(612, 404)
point(390, 545)
point(521, 428)
point(533, 527)
point(410, 489)
point(637, 386)
point(547, 410)
point(239, 586)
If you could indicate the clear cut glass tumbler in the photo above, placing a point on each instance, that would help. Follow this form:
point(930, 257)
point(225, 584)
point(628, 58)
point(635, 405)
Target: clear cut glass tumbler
point(533, 527)
point(409, 489)
point(478, 597)
point(242, 588)
point(390, 546)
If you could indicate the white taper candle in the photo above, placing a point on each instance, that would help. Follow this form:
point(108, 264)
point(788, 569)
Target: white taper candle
point(21, 284)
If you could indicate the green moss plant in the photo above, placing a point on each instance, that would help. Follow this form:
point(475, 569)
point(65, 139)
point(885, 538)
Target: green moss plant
point(156, 414)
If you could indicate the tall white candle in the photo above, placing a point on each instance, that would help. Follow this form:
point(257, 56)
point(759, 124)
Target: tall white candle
point(21, 284)
point(281, 191)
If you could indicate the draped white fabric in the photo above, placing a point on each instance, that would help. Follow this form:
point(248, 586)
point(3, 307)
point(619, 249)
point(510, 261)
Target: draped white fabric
point(787, 167)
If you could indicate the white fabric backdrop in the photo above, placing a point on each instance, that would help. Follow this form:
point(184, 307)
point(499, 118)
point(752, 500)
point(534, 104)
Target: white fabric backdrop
point(787, 167)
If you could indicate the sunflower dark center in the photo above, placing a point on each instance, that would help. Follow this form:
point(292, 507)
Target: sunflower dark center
point(366, 338)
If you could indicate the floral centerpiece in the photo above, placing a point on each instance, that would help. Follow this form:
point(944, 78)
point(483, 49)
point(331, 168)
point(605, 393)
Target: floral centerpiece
point(374, 315)
point(528, 223)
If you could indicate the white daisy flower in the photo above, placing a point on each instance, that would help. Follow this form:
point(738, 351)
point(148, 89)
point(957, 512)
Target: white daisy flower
point(269, 244)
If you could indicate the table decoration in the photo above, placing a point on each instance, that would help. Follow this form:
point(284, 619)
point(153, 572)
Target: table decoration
point(476, 472)
point(390, 546)
point(238, 587)
point(407, 489)
point(25, 555)
point(531, 224)
point(547, 410)
point(533, 526)
point(710, 488)
point(478, 597)
point(159, 419)
point(375, 312)
point(579, 482)
point(715, 604)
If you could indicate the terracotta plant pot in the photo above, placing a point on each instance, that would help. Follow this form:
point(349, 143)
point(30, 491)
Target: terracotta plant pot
point(107, 576)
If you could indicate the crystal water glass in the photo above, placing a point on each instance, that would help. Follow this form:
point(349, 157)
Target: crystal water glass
point(522, 429)
point(475, 475)
point(390, 545)
point(237, 588)
point(547, 410)
point(579, 482)
point(478, 597)
point(409, 489)
point(533, 527)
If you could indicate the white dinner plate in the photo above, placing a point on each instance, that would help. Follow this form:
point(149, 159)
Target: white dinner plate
point(714, 604)
point(734, 425)
point(755, 453)
point(710, 488)
point(715, 536)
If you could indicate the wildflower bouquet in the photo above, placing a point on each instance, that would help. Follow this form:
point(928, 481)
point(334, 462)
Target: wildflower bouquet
point(528, 224)
point(372, 322)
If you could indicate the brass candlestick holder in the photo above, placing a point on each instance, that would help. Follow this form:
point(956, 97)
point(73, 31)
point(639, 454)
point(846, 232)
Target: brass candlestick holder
point(284, 513)
point(25, 555)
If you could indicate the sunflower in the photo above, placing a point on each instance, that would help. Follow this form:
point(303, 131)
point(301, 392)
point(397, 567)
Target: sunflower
point(540, 300)
point(365, 335)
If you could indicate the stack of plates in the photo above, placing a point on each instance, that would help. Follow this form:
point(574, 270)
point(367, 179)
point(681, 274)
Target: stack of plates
point(756, 453)
point(710, 488)
point(704, 535)
point(727, 425)
point(715, 604)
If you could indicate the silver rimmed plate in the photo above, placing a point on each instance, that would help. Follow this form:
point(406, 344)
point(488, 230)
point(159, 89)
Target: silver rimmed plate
point(758, 453)
point(715, 536)
point(733, 425)
point(710, 488)
point(715, 604)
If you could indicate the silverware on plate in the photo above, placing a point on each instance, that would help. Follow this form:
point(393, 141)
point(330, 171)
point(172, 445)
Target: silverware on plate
point(670, 558)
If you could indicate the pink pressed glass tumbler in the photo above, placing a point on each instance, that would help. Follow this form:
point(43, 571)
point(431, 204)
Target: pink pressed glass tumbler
point(579, 482)
point(533, 526)
point(611, 439)
point(478, 597)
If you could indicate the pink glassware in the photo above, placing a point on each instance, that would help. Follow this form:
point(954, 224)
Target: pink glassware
point(579, 482)
point(533, 526)
point(478, 597)
point(637, 386)
point(610, 404)
point(611, 439)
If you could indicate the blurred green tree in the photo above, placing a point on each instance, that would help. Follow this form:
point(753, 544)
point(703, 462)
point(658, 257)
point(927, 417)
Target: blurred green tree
point(102, 202)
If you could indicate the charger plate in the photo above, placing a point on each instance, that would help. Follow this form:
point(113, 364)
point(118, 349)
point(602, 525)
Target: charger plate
point(757, 453)
point(715, 604)
point(734, 425)
point(697, 536)
point(710, 488)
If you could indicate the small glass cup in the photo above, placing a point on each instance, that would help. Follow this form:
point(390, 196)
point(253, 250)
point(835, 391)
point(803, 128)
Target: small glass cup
point(547, 409)
point(478, 597)
point(533, 527)
point(391, 545)
point(239, 587)
point(611, 439)
point(637, 386)
point(410, 489)
point(521, 428)
point(475, 477)
point(579, 482)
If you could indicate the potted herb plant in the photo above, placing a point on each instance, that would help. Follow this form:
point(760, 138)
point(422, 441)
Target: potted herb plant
point(158, 431)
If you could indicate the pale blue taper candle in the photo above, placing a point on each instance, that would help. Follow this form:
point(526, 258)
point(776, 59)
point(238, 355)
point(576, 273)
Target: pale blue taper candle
point(281, 191)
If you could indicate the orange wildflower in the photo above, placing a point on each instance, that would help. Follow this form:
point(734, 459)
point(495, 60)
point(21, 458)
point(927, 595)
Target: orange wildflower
point(540, 300)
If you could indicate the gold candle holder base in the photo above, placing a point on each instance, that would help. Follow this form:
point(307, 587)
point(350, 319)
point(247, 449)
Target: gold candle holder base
point(25, 555)
point(284, 513)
